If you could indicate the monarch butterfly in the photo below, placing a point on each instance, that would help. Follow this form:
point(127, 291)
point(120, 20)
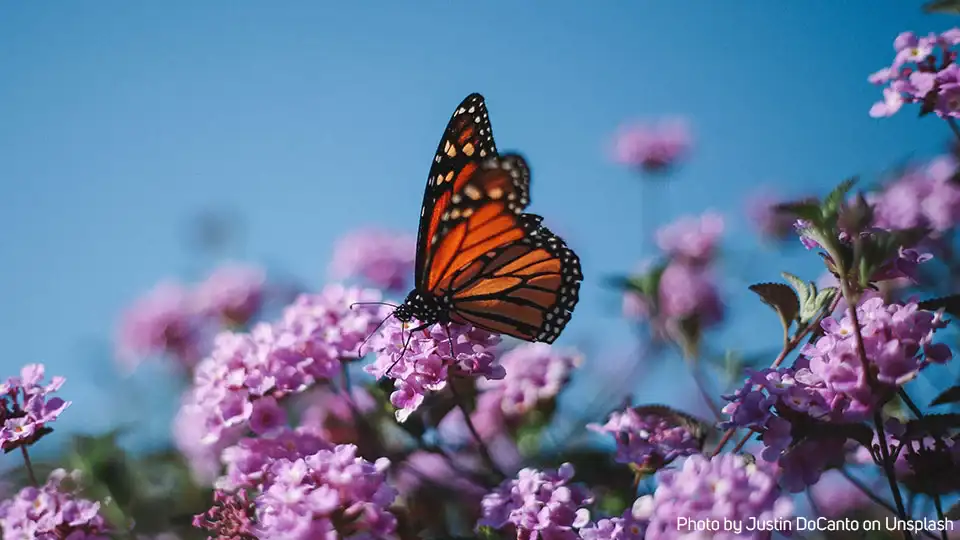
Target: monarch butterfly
point(480, 260)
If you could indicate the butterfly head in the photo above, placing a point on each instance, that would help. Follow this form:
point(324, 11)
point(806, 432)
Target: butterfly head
point(425, 308)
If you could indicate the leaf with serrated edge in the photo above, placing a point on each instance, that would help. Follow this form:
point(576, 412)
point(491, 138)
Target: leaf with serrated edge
point(931, 424)
point(832, 201)
point(950, 395)
point(781, 298)
point(953, 514)
point(949, 304)
point(803, 290)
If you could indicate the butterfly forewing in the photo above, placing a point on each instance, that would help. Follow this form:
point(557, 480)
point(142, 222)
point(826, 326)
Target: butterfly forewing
point(466, 141)
point(482, 215)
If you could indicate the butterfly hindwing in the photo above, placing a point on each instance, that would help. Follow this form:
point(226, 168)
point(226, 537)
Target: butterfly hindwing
point(527, 289)
point(466, 141)
point(482, 215)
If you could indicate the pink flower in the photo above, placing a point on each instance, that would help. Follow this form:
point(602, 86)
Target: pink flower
point(232, 293)
point(694, 238)
point(653, 147)
point(161, 322)
point(383, 259)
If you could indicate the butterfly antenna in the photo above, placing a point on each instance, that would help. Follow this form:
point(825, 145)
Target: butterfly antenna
point(394, 306)
point(375, 330)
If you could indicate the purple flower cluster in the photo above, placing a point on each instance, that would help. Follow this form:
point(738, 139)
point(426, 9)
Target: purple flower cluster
point(920, 197)
point(241, 380)
point(631, 525)
point(692, 239)
point(176, 320)
point(27, 407)
point(687, 286)
point(231, 516)
point(332, 493)
point(653, 147)
point(829, 384)
point(794, 395)
point(535, 373)
point(53, 511)
point(898, 340)
point(538, 504)
point(233, 293)
point(724, 486)
point(331, 414)
point(647, 439)
point(424, 362)
point(383, 259)
point(924, 70)
point(247, 461)
point(902, 266)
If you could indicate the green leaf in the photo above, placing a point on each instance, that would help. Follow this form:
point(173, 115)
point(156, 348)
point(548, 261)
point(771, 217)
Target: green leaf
point(830, 430)
point(945, 7)
point(825, 298)
point(807, 210)
point(931, 424)
point(953, 513)
point(950, 395)
point(949, 304)
point(803, 289)
point(782, 299)
point(833, 201)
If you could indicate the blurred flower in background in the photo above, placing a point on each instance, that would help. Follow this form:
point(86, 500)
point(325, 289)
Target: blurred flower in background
point(162, 322)
point(653, 147)
point(233, 293)
point(177, 321)
point(922, 196)
point(381, 257)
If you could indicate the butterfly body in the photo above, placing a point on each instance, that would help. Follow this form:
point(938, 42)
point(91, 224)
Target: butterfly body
point(480, 259)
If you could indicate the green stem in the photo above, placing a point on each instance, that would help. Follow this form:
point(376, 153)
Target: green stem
point(482, 446)
point(954, 127)
point(29, 465)
point(813, 329)
point(939, 506)
point(868, 491)
point(877, 415)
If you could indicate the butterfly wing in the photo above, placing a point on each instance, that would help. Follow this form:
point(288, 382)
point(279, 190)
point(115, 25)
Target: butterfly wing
point(467, 140)
point(526, 289)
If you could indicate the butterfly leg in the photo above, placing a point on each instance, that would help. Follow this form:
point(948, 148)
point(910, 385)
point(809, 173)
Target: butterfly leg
point(406, 343)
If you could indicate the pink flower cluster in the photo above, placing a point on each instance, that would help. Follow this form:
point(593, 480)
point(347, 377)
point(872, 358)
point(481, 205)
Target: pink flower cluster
point(384, 259)
point(653, 147)
point(921, 197)
point(538, 504)
point(534, 373)
point(423, 362)
point(26, 407)
point(241, 380)
point(725, 485)
point(829, 384)
point(332, 493)
point(175, 320)
point(686, 287)
point(53, 510)
point(647, 439)
point(924, 70)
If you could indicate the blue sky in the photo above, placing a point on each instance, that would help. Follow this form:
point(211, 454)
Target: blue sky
point(120, 121)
